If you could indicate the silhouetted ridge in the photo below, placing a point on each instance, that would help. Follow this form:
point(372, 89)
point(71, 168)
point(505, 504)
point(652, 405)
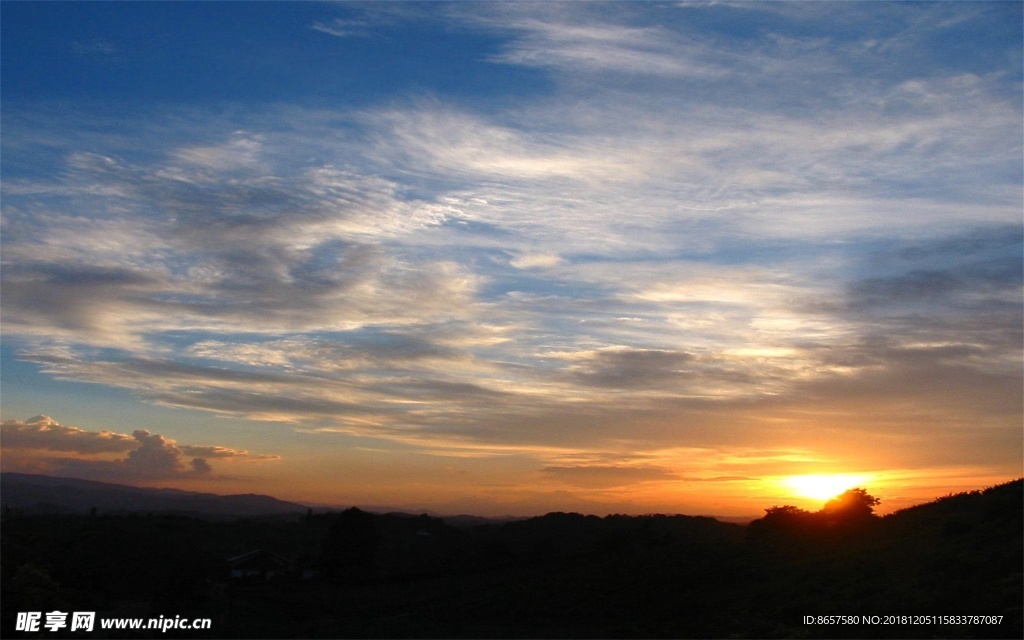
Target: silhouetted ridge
point(46, 494)
point(355, 574)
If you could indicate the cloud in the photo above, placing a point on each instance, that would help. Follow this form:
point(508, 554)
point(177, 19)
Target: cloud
point(364, 19)
point(632, 368)
point(155, 455)
point(240, 153)
point(980, 271)
point(207, 452)
point(200, 466)
point(608, 476)
point(446, 141)
point(954, 300)
point(604, 48)
point(914, 286)
point(96, 49)
point(79, 299)
point(147, 456)
point(535, 261)
point(343, 28)
point(719, 479)
point(228, 244)
point(43, 432)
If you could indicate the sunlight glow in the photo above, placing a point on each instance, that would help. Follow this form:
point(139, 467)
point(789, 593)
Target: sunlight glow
point(823, 486)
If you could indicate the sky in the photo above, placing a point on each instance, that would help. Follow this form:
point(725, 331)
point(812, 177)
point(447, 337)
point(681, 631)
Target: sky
point(514, 257)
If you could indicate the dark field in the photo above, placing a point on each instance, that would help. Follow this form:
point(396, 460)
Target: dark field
point(357, 575)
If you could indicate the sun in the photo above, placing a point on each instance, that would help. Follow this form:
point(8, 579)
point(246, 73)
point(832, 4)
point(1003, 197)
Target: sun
point(823, 486)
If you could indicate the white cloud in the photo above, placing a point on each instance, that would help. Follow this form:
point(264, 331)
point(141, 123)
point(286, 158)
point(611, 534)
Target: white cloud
point(240, 152)
point(43, 432)
point(436, 138)
point(573, 47)
point(146, 455)
point(213, 240)
point(535, 261)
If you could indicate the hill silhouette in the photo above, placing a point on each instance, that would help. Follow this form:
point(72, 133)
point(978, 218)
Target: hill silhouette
point(47, 494)
point(566, 575)
point(959, 553)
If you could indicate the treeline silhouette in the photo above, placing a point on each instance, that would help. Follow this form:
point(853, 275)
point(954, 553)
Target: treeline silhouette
point(850, 513)
point(563, 575)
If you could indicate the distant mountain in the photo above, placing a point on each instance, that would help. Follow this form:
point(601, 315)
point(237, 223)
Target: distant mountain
point(46, 494)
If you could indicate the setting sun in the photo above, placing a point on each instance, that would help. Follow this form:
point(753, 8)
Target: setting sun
point(823, 486)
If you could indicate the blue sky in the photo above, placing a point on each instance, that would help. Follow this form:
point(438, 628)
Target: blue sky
point(514, 257)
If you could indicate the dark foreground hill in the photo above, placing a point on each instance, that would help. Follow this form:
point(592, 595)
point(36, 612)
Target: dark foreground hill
point(45, 494)
point(947, 569)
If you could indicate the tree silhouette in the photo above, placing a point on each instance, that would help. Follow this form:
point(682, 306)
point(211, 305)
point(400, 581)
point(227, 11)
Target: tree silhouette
point(350, 548)
point(847, 512)
point(786, 513)
point(785, 522)
point(852, 505)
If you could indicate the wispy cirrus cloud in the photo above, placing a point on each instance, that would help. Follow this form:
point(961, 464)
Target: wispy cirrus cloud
point(208, 247)
point(593, 47)
point(343, 28)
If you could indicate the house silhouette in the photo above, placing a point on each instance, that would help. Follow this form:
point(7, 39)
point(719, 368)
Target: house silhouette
point(258, 565)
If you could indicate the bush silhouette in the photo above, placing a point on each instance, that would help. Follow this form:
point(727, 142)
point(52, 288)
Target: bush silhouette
point(786, 522)
point(851, 506)
point(851, 510)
